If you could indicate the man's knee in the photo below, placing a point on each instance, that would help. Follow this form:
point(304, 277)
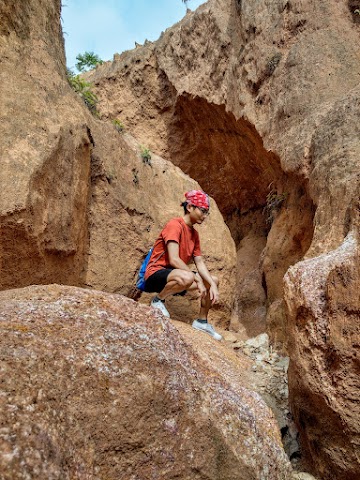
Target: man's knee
point(185, 279)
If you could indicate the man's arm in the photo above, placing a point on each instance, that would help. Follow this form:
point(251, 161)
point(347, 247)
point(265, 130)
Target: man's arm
point(174, 259)
point(205, 275)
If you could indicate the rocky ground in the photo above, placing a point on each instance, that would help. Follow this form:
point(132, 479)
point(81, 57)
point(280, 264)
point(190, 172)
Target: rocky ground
point(270, 379)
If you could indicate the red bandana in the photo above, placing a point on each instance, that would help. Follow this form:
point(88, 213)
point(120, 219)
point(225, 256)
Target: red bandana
point(198, 199)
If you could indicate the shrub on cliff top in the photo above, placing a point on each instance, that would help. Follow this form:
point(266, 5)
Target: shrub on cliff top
point(87, 61)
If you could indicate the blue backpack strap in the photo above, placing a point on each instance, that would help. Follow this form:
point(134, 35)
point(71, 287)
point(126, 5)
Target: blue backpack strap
point(140, 283)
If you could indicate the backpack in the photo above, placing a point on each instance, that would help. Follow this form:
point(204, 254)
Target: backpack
point(140, 282)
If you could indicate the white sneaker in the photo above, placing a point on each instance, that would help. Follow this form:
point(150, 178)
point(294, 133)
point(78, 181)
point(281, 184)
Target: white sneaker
point(207, 328)
point(160, 305)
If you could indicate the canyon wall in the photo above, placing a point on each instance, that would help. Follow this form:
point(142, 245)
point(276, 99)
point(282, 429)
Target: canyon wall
point(259, 102)
point(78, 205)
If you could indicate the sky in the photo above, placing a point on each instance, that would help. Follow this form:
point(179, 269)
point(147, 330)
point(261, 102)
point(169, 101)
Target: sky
point(106, 27)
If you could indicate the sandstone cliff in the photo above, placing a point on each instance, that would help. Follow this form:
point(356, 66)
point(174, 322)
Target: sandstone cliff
point(259, 101)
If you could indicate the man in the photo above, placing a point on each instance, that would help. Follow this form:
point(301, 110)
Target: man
point(168, 272)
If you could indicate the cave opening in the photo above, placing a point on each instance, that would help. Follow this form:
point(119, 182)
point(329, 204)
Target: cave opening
point(268, 212)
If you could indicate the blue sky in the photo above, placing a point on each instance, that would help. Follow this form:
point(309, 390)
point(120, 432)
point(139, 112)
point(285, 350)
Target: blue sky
point(112, 26)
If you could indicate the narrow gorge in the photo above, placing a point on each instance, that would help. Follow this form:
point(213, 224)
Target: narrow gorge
point(256, 103)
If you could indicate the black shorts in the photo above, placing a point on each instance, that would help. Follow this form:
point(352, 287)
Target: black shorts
point(157, 281)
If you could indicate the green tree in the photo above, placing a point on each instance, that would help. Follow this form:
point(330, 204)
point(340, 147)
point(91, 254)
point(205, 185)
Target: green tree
point(87, 61)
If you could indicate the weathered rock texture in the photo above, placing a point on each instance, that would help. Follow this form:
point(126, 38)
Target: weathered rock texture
point(77, 204)
point(323, 297)
point(104, 389)
point(44, 151)
point(260, 102)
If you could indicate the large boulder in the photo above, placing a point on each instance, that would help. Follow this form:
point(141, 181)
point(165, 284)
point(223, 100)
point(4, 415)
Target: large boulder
point(106, 388)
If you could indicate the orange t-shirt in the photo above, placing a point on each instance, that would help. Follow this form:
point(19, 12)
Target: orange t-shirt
point(175, 230)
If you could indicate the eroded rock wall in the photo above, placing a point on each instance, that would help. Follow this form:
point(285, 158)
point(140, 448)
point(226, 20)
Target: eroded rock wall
point(77, 204)
point(226, 95)
point(45, 152)
point(185, 97)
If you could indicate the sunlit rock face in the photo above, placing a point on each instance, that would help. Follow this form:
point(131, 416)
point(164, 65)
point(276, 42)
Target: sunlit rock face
point(105, 388)
point(259, 102)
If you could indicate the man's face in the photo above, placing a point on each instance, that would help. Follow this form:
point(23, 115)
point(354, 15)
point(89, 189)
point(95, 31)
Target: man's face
point(197, 214)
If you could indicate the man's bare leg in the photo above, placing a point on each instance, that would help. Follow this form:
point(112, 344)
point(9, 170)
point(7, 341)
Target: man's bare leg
point(205, 302)
point(205, 306)
point(177, 281)
point(201, 322)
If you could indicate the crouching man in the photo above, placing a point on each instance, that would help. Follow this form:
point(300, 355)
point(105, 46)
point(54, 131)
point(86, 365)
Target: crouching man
point(168, 273)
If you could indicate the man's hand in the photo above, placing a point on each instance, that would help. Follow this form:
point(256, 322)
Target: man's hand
point(200, 285)
point(201, 288)
point(214, 294)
